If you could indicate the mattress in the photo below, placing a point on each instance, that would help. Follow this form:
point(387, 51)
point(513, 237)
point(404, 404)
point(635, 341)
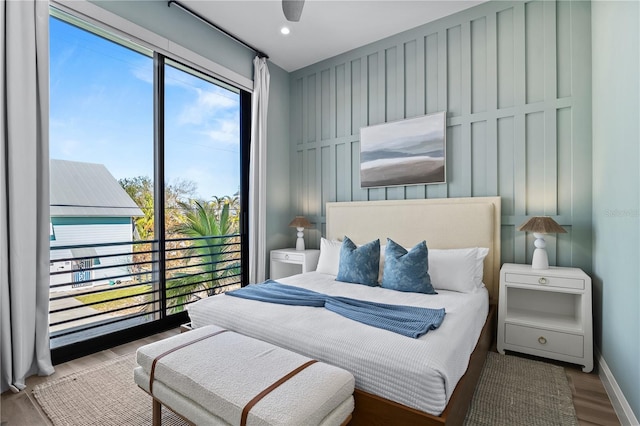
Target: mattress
point(419, 373)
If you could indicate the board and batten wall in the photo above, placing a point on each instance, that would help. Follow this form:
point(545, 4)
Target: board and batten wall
point(515, 80)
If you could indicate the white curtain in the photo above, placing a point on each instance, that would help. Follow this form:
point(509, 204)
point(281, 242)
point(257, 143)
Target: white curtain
point(258, 171)
point(24, 192)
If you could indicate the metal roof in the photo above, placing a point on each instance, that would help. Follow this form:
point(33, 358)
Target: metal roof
point(87, 189)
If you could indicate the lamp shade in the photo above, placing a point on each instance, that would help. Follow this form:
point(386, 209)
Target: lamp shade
point(542, 225)
point(300, 222)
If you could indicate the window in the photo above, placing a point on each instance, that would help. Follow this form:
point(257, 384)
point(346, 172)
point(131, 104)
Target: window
point(148, 164)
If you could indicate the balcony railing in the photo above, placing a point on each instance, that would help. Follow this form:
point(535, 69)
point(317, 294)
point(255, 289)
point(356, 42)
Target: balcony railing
point(100, 288)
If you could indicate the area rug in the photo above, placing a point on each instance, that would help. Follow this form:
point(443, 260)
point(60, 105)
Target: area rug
point(516, 391)
point(512, 391)
point(105, 395)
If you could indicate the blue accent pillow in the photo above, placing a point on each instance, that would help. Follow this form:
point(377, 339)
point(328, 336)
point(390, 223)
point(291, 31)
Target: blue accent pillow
point(407, 270)
point(359, 265)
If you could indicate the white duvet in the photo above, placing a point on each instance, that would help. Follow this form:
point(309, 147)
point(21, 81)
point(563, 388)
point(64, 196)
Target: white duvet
point(419, 373)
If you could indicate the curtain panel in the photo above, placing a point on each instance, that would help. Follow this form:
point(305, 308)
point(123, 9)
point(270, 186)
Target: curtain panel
point(258, 171)
point(24, 192)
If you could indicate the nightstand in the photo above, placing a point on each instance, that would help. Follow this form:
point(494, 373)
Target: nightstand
point(287, 262)
point(547, 313)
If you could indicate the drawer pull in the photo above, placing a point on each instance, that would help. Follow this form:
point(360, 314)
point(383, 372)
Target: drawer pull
point(542, 280)
point(542, 340)
point(286, 256)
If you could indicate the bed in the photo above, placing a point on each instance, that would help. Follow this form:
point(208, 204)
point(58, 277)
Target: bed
point(429, 380)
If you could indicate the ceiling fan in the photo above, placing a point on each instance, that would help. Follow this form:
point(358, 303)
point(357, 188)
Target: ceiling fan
point(292, 9)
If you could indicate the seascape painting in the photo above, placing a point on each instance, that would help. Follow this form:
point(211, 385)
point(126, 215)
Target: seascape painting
point(406, 152)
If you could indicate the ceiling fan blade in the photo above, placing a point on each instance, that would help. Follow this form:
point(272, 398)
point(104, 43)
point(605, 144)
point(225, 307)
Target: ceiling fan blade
point(292, 9)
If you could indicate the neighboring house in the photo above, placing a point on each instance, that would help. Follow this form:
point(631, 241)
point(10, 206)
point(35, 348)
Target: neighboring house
point(89, 210)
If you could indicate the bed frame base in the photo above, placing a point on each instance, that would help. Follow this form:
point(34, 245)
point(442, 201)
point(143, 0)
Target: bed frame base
point(372, 410)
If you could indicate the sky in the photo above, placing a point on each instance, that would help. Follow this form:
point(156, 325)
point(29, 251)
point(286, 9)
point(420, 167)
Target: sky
point(101, 111)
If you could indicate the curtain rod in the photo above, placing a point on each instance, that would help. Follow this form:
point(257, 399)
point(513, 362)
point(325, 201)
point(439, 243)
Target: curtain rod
point(259, 52)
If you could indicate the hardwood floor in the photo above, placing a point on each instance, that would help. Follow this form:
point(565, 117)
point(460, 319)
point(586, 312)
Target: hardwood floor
point(590, 399)
point(21, 409)
point(589, 396)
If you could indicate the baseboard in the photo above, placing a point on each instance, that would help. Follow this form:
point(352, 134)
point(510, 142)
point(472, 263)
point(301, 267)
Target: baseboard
point(619, 402)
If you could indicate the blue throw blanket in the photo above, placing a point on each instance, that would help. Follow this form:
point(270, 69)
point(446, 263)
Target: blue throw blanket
point(409, 321)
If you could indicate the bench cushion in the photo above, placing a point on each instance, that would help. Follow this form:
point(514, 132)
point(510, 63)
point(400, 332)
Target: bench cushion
point(222, 373)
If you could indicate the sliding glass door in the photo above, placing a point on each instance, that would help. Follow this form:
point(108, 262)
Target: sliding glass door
point(201, 158)
point(147, 163)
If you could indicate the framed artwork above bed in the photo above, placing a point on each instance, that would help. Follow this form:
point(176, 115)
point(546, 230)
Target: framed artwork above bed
point(405, 152)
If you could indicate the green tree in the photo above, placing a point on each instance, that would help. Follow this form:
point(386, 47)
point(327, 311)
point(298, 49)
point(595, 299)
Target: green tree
point(140, 189)
point(214, 233)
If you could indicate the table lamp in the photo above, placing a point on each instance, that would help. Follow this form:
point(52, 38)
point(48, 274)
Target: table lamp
point(541, 225)
point(300, 222)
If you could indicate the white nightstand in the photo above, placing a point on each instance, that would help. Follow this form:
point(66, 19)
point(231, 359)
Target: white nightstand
point(547, 313)
point(286, 262)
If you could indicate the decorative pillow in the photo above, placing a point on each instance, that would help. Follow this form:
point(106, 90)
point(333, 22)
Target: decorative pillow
point(359, 264)
point(407, 270)
point(453, 269)
point(329, 260)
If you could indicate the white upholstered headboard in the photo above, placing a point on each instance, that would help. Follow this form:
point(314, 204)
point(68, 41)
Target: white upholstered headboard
point(443, 223)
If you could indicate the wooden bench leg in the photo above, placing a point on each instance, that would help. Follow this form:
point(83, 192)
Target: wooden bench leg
point(157, 413)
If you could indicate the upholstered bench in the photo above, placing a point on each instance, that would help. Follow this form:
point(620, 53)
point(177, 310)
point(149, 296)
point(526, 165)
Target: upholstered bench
point(211, 376)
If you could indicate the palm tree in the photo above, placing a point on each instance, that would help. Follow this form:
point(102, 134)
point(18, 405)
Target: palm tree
point(212, 228)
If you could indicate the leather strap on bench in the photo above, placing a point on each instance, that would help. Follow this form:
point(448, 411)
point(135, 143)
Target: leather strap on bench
point(156, 359)
point(257, 398)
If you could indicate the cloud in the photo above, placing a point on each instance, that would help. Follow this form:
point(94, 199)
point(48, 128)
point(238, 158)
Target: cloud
point(59, 62)
point(226, 132)
point(207, 106)
point(143, 72)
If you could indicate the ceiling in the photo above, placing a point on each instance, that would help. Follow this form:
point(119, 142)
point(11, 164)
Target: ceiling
point(326, 28)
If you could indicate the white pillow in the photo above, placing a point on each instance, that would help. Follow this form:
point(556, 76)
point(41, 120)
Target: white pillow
point(329, 260)
point(454, 269)
point(482, 253)
point(383, 248)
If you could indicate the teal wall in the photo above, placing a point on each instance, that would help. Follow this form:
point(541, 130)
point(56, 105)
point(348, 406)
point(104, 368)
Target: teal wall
point(616, 190)
point(515, 80)
point(179, 27)
point(278, 186)
point(90, 220)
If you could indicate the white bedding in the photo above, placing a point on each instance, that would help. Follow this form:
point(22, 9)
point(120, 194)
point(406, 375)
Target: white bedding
point(419, 373)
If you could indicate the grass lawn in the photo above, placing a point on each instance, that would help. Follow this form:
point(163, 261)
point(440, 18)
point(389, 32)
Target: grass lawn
point(106, 296)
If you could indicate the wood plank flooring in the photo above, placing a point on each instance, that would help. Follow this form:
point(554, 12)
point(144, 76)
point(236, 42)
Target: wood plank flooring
point(590, 399)
point(21, 409)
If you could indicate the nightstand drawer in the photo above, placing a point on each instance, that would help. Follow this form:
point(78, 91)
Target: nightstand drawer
point(287, 256)
point(545, 340)
point(543, 280)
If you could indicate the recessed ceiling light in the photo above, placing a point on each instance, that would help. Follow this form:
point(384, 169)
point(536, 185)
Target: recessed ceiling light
point(285, 30)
